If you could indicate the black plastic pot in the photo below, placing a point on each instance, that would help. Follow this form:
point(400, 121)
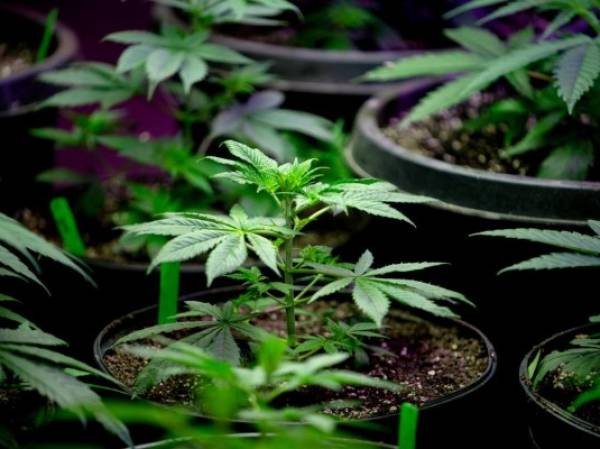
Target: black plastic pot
point(462, 189)
point(550, 425)
point(22, 156)
point(453, 420)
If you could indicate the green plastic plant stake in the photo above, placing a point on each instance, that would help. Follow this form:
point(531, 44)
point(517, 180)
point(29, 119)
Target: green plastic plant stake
point(407, 433)
point(49, 28)
point(169, 292)
point(67, 226)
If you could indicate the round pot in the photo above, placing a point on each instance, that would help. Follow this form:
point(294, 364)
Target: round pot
point(462, 189)
point(458, 410)
point(550, 424)
point(24, 156)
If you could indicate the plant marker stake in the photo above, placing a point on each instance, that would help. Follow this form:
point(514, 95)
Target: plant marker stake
point(49, 28)
point(169, 292)
point(407, 432)
point(67, 226)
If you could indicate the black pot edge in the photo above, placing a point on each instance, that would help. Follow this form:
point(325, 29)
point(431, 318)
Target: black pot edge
point(254, 435)
point(544, 404)
point(486, 376)
point(68, 47)
point(366, 123)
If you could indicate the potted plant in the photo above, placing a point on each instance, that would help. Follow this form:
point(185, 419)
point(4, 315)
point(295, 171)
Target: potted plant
point(561, 375)
point(318, 49)
point(228, 323)
point(120, 172)
point(30, 45)
point(35, 374)
point(511, 135)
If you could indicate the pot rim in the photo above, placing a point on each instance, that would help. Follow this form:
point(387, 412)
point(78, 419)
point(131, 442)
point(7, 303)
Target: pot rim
point(374, 444)
point(67, 44)
point(540, 401)
point(367, 123)
point(100, 350)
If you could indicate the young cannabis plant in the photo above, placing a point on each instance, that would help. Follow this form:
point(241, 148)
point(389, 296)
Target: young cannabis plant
point(301, 199)
point(551, 74)
point(28, 358)
point(579, 250)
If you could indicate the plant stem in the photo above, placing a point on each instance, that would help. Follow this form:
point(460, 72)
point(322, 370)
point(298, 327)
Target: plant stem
point(289, 276)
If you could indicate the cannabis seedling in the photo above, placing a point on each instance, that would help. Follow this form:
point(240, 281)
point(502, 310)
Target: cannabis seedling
point(305, 276)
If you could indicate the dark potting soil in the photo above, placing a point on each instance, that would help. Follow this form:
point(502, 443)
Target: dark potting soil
point(444, 137)
point(14, 59)
point(430, 360)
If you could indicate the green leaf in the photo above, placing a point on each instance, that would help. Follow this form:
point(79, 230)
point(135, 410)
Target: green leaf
point(518, 59)
point(133, 57)
point(576, 71)
point(63, 176)
point(162, 64)
point(224, 347)
point(427, 64)
point(415, 300)
point(227, 257)
point(188, 246)
point(14, 264)
point(595, 226)
point(513, 7)
point(370, 300)
point(192, 71)
point(477, 40)
point(556, 261)
point(449, 94)
point(332, 287)
point(561, 19)
point(265, 250)
point(300, 122)
point(403, 268)
point(159, 329)
point(570, 161)
point(136, 37)
point(219, 53)
point(364, 263)
point(537, 136)
point(468, 6)
point(563, 239)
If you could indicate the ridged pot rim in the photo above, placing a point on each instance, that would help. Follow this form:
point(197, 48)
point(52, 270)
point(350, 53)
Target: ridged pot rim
point(368, 125)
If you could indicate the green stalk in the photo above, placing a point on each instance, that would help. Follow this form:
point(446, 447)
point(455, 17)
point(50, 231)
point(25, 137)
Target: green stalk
point(289, 276)
point(49, 28)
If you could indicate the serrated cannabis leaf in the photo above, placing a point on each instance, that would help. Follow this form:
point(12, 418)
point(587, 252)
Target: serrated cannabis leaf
point(371, 292)
point(576, 71)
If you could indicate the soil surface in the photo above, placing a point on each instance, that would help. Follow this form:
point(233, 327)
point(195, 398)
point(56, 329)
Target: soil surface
point(430, 360)
point(14, 59)
point(444, 137)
